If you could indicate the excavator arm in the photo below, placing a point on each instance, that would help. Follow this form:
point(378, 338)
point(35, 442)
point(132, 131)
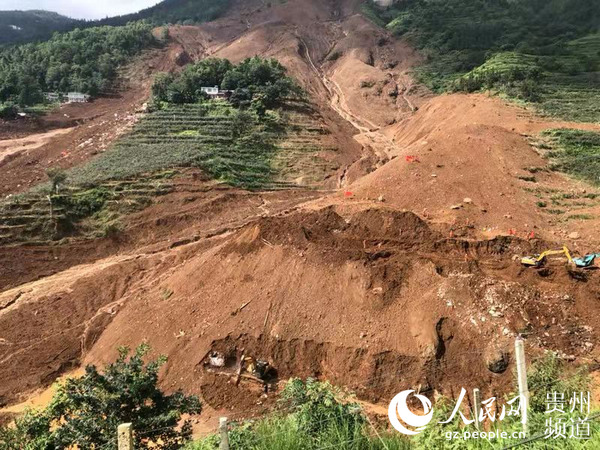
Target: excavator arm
point(538, 260)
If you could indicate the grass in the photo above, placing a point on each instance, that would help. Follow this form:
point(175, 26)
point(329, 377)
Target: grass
point(545, 54)
point(232, 146)
point(321, 417)
point(317, 416)
point(575, 152)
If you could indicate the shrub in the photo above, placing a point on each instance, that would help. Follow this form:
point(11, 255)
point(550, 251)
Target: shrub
point(57, 177)
point(8, 111)
point(86, 411)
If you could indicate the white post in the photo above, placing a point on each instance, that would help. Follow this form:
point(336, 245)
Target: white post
point(224, 436)
point(522, 380)
point(125, 437)
point(477, 402)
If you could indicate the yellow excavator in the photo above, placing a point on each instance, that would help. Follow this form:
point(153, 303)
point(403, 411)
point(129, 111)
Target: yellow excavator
point(539, 260)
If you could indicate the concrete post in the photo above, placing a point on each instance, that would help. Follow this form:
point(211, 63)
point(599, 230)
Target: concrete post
point(522, 380)
point(125, 437)
point(223, 432)
point(477, 402)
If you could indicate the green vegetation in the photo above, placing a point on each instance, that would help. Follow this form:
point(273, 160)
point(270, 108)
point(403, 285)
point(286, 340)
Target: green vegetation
point(8, 111)
point(575, 152)
point(85, 412)
point(81, 60)
point(537, 51)
point(258, 83)
point(186, 12)
point(316, 416)
point(275, 151)
point(21, 26)
point(236, 147)
point(27, 26)
point(44, 214)
point(311, 415)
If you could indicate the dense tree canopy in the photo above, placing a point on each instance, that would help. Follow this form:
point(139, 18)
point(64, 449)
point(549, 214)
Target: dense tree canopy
point(85, 412)
point(21, 26)
point(81, 60)
point(175, 11)
point(28, 26)
point(543, 51)
point(255, 81)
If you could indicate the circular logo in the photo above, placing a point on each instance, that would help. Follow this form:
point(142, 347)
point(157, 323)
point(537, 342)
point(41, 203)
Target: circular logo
point(399, 409)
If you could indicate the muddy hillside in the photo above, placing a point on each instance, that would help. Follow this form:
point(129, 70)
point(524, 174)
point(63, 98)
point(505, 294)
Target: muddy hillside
point(387, 259)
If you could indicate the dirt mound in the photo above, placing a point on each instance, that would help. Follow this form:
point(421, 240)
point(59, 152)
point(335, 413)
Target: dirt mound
point(466, 161)
point(318, 294)
point(405, 279)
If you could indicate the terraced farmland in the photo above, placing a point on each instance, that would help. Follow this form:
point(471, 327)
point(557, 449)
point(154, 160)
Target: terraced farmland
point(290, 148)
point(238, 148)
point(39, 217)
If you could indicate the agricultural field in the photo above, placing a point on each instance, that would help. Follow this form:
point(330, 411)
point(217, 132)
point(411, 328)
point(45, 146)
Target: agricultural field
point(76, 211)
point(575, 152)
point(282, 150)
point(232, 146)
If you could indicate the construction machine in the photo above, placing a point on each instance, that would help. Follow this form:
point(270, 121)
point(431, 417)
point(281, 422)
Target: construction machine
point(586, 261)
point(539, 260)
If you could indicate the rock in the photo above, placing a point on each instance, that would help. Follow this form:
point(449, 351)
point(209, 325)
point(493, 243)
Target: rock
point(456, 207)
point(468, 200)
point(574, 235)
point(381, 198)
point(497, 361)
point(495, 313)
point(182, 58)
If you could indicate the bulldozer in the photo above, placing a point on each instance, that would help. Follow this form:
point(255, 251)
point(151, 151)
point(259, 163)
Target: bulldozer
point(539, 260)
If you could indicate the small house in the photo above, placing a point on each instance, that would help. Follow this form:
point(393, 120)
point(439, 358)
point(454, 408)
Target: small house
point(77, 97)
point(215, 92)
point(211, 91)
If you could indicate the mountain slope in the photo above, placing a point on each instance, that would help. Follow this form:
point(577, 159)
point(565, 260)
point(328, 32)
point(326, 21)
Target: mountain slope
point(403, 277)
point(174, 11)
point(37, 25)
point(22, 26)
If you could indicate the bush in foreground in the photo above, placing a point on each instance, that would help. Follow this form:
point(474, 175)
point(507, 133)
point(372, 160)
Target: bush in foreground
point(85, 412)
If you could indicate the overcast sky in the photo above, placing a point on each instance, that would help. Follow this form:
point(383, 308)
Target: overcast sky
point(80, 9)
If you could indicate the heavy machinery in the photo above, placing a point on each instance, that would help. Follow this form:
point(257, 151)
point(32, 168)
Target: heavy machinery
point(586, 261)
point(539, 260)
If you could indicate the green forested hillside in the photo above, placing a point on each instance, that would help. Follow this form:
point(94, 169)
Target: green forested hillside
point(86, 58)
point(546, 52)
point(175, 11)
point(29, 26)
point(21, 26)
point(81, 60)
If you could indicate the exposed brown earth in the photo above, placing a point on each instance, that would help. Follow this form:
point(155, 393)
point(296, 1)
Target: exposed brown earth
point(379, 285)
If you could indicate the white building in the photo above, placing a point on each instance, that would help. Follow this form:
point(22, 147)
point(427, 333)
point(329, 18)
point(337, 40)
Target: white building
point(385, 3)
point(215, 92)
point(77, 97)
point(211, 91)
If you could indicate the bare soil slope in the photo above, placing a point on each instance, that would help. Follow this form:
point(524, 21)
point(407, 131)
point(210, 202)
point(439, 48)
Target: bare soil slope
point(381, 285)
